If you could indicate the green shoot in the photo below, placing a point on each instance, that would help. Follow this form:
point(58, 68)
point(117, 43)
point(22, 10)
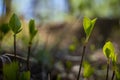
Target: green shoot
point(88, 27)
point(88, 70)
point(32, 32)
point(8, 68)
point(109, 52)
point(15, 26)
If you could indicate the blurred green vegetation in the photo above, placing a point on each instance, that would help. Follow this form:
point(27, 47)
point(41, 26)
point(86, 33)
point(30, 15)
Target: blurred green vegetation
point(93, 8)
point(44, 51)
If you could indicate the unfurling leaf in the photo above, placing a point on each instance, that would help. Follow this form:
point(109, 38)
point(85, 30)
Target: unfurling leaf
point(32, 30)
point(109, 52)
point(15, 24)
point(108, 49)
point(114, 59)
point(88, 26)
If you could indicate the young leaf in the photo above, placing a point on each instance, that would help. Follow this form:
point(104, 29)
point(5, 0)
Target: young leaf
point(32, 30)
point(108, 50)
point(15, 24)
point(88, 26)
point(114, 59)
point(10, 71)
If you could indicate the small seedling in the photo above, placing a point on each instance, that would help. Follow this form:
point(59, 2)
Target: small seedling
point(109, 52)
point(15, 26)
point(88, 26)
point(32, 32)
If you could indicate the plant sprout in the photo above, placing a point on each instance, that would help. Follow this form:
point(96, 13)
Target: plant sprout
point(109, 52)
point(15, 26)
point(32, 32)
point(88, 26)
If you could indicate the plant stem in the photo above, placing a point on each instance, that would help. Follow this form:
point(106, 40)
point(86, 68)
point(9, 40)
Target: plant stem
point(107, 68)
point(15, 46)
point(113, 75)
point(83, 53)
point(28, 56)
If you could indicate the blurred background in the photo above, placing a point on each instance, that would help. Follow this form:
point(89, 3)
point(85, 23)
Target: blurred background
point(58, 44)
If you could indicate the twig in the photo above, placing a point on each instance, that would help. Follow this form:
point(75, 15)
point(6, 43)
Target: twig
point(107, 69)
point(28, 56)
point(83, 53)
point(15, 46)
point(113, 75)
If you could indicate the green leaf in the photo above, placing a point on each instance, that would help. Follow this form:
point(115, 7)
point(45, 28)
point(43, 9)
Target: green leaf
point(10, 71)
point(32, 30)
point(114, 59)
point(25, 76)
point(88, 26)
point(88, 70)
point(15, 24)
point(108, 50)
point(117, 73)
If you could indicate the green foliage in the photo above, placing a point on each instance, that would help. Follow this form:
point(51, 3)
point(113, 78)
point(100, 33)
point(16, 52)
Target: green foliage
point(4, 28)
point(88, 26)
point(15, 24)
point(114, 59)
point(88, 70)
point(92, 8)
point(32, 30)
point(10, 71)
point(25, 76)
point(109, 52)
point(117, 72)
